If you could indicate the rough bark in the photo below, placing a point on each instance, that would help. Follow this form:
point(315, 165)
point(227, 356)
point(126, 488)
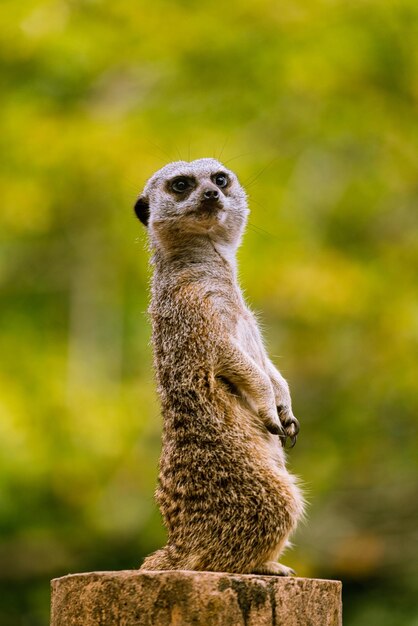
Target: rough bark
point(183, 598)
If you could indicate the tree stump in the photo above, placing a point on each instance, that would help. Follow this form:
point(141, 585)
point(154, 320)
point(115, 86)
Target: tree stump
point(185, 598)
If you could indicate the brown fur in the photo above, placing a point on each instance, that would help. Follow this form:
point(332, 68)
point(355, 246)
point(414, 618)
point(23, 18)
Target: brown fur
point(226, 497)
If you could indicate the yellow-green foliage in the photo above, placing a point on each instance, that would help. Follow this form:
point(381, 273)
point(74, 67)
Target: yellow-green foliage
point(314, 104)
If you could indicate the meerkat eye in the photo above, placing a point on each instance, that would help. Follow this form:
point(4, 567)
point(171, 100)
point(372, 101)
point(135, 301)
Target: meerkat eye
point(179, 185)
point(221, 180)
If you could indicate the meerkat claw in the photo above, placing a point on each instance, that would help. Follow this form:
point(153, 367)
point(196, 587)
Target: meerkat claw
point(276, 429)
point(290, 423)
point(296, 426)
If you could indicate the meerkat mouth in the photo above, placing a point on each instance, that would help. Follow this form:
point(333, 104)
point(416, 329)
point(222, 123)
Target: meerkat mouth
point(210, 206)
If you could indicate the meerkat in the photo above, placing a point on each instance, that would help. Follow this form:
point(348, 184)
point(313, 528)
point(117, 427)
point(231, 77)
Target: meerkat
point(226, 497)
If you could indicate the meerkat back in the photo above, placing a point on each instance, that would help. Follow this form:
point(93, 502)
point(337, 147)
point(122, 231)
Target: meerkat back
point(226, 498)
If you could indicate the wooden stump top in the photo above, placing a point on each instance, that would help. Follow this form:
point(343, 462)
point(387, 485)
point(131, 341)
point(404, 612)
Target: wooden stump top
point(186, 598)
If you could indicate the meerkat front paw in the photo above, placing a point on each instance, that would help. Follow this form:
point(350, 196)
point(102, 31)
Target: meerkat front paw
point(289, 423)
point(271, 568)
point(270, 419)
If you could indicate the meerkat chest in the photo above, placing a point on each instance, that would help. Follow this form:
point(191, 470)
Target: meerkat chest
point(249, 336)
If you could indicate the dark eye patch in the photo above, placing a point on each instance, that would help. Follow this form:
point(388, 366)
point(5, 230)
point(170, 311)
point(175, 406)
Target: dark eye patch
point(180, 184)
point(220, 179)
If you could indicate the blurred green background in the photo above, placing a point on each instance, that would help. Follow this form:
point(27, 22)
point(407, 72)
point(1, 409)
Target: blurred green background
point(314, 104)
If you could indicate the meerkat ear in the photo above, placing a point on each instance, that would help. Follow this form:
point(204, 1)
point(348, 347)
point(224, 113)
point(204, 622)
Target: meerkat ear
point(141, 209)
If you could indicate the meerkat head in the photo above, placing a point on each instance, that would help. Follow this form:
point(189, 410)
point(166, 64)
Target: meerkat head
point(196, 199)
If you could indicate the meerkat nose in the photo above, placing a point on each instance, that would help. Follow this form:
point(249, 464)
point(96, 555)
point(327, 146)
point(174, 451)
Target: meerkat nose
point(211, 194)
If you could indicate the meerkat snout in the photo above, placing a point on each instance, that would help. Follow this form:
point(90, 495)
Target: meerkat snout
point(210, 200)
point(210, 194)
